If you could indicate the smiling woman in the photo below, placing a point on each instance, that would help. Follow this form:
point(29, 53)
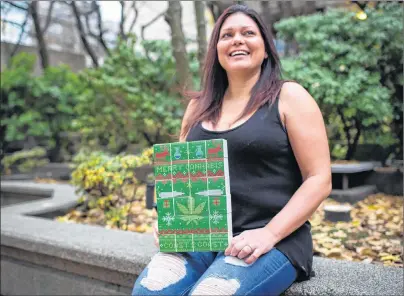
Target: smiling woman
point(276, 182)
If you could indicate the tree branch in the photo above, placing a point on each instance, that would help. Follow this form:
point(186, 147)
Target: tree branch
point(123, 19)
point(100, 28)
point(11, 23)
point(83, 38)
point(362, 6)
point(12, 3)
point(17, 45)
point(345, 123)
point(152, 21)
point(48, 17)
point(135, 17)
point(43, 51)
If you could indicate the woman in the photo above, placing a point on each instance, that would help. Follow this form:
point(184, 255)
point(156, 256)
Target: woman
point(279, 168)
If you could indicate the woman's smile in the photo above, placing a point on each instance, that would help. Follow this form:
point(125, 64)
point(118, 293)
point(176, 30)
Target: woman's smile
point(240, 46)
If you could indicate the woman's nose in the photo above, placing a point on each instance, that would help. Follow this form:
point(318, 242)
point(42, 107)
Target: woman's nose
point(238, 39)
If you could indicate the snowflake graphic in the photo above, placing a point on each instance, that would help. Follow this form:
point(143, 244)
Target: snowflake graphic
point(216, 217)
point(168, 219)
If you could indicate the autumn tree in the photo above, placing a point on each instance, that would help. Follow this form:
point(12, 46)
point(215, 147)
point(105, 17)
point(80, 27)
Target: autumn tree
point(174, 19)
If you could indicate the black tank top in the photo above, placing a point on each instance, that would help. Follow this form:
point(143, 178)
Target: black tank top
point(264, 175)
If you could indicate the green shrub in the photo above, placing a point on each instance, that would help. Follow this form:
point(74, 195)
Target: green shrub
point(110, 193)
point(24, 161)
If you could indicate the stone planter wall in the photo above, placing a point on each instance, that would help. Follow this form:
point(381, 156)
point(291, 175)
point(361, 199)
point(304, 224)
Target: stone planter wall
point(44, 257)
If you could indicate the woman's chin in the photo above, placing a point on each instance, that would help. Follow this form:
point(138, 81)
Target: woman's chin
point(239, 67)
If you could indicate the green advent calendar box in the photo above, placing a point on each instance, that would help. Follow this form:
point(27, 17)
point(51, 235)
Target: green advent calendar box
point(193, 196)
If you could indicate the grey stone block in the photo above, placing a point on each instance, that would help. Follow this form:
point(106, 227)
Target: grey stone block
point(337, 277)
point(22, 278)
point(353, 195)
point(45, 257)
point(335, 213)
point(351, 168)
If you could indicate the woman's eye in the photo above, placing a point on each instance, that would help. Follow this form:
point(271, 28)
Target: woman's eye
point(249, 33)
point(226, 35)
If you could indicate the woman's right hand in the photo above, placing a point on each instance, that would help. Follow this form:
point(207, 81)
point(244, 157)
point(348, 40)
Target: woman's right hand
point(156, 234)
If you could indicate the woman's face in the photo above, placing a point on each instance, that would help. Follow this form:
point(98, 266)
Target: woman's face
point(240, 45)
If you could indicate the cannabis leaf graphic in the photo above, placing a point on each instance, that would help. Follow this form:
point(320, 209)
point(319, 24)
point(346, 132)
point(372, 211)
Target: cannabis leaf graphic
point(191, 214)
point(183, 209)
point(200, 208)
point(190, 219)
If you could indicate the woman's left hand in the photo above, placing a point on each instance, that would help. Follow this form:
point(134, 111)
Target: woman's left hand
point(251, 244)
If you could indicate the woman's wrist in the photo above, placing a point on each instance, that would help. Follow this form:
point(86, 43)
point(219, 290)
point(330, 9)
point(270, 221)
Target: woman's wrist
point(272, 235)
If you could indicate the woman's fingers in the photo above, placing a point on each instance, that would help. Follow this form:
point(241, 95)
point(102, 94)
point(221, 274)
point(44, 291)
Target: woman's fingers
point(233, 242)
point(238, 247)
point(254, 256)
point(246, 251)
point(156, 234)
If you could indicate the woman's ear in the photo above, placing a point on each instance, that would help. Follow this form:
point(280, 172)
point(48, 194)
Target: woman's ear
point(265, 56)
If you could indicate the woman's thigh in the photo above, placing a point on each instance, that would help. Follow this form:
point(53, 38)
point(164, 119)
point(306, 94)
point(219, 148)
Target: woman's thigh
point(172, 273)
point(271, 274)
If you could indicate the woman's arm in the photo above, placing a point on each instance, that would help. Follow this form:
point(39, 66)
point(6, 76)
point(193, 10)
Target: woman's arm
point(308, 138)
point(307, 135)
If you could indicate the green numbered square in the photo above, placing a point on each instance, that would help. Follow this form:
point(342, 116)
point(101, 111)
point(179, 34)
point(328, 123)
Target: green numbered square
point(197, 150)
point(218, 203)
point(215, 168)
point(167, 243)
point(218, 221)
point(181, 188)
point(162, 172)
point(184, 242)
point(199, 187)
point(164, 188)
point(214, 148)
point(161, 153)
point(197, 168)
point(198, 206)
point(179, 151)
point(180, 169)
point(217, 186)
point(194, 223)
point(166, 214)
point(219, 241)
point(202, 242)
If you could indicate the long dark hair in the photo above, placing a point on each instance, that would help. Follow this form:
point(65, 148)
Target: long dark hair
point(214, 81)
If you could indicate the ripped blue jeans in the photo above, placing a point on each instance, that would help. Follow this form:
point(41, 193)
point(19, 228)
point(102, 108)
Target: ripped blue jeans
point(213, 273)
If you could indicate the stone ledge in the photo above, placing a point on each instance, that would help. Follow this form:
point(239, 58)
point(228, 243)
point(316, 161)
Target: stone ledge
point(351, 168)
point(353, 195)
point(127, 253)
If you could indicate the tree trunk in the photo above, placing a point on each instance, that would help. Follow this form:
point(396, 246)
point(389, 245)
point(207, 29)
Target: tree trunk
point(352, 146)
point(83, 38)
point(43, 51)
point(310, 7)
point(266, 14)
point(201, 28)
point(218, 7)
point(174, 18)
point(286, 9)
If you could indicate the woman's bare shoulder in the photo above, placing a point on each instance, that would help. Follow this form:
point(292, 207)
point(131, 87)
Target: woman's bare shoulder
point(295, 97)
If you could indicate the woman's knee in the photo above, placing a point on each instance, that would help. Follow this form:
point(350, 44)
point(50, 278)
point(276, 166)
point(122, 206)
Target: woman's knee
point(214, 285)
point(163, 271)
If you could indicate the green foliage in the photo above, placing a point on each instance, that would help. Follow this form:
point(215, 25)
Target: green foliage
point(24, 161)
point(108, 183)
point(16, 82)
point(342, 62)
point(41, 106)
point(131, 98)
point(100, 171)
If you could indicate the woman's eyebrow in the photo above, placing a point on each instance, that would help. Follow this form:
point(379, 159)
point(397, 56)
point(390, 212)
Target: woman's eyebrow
point(232, 28)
